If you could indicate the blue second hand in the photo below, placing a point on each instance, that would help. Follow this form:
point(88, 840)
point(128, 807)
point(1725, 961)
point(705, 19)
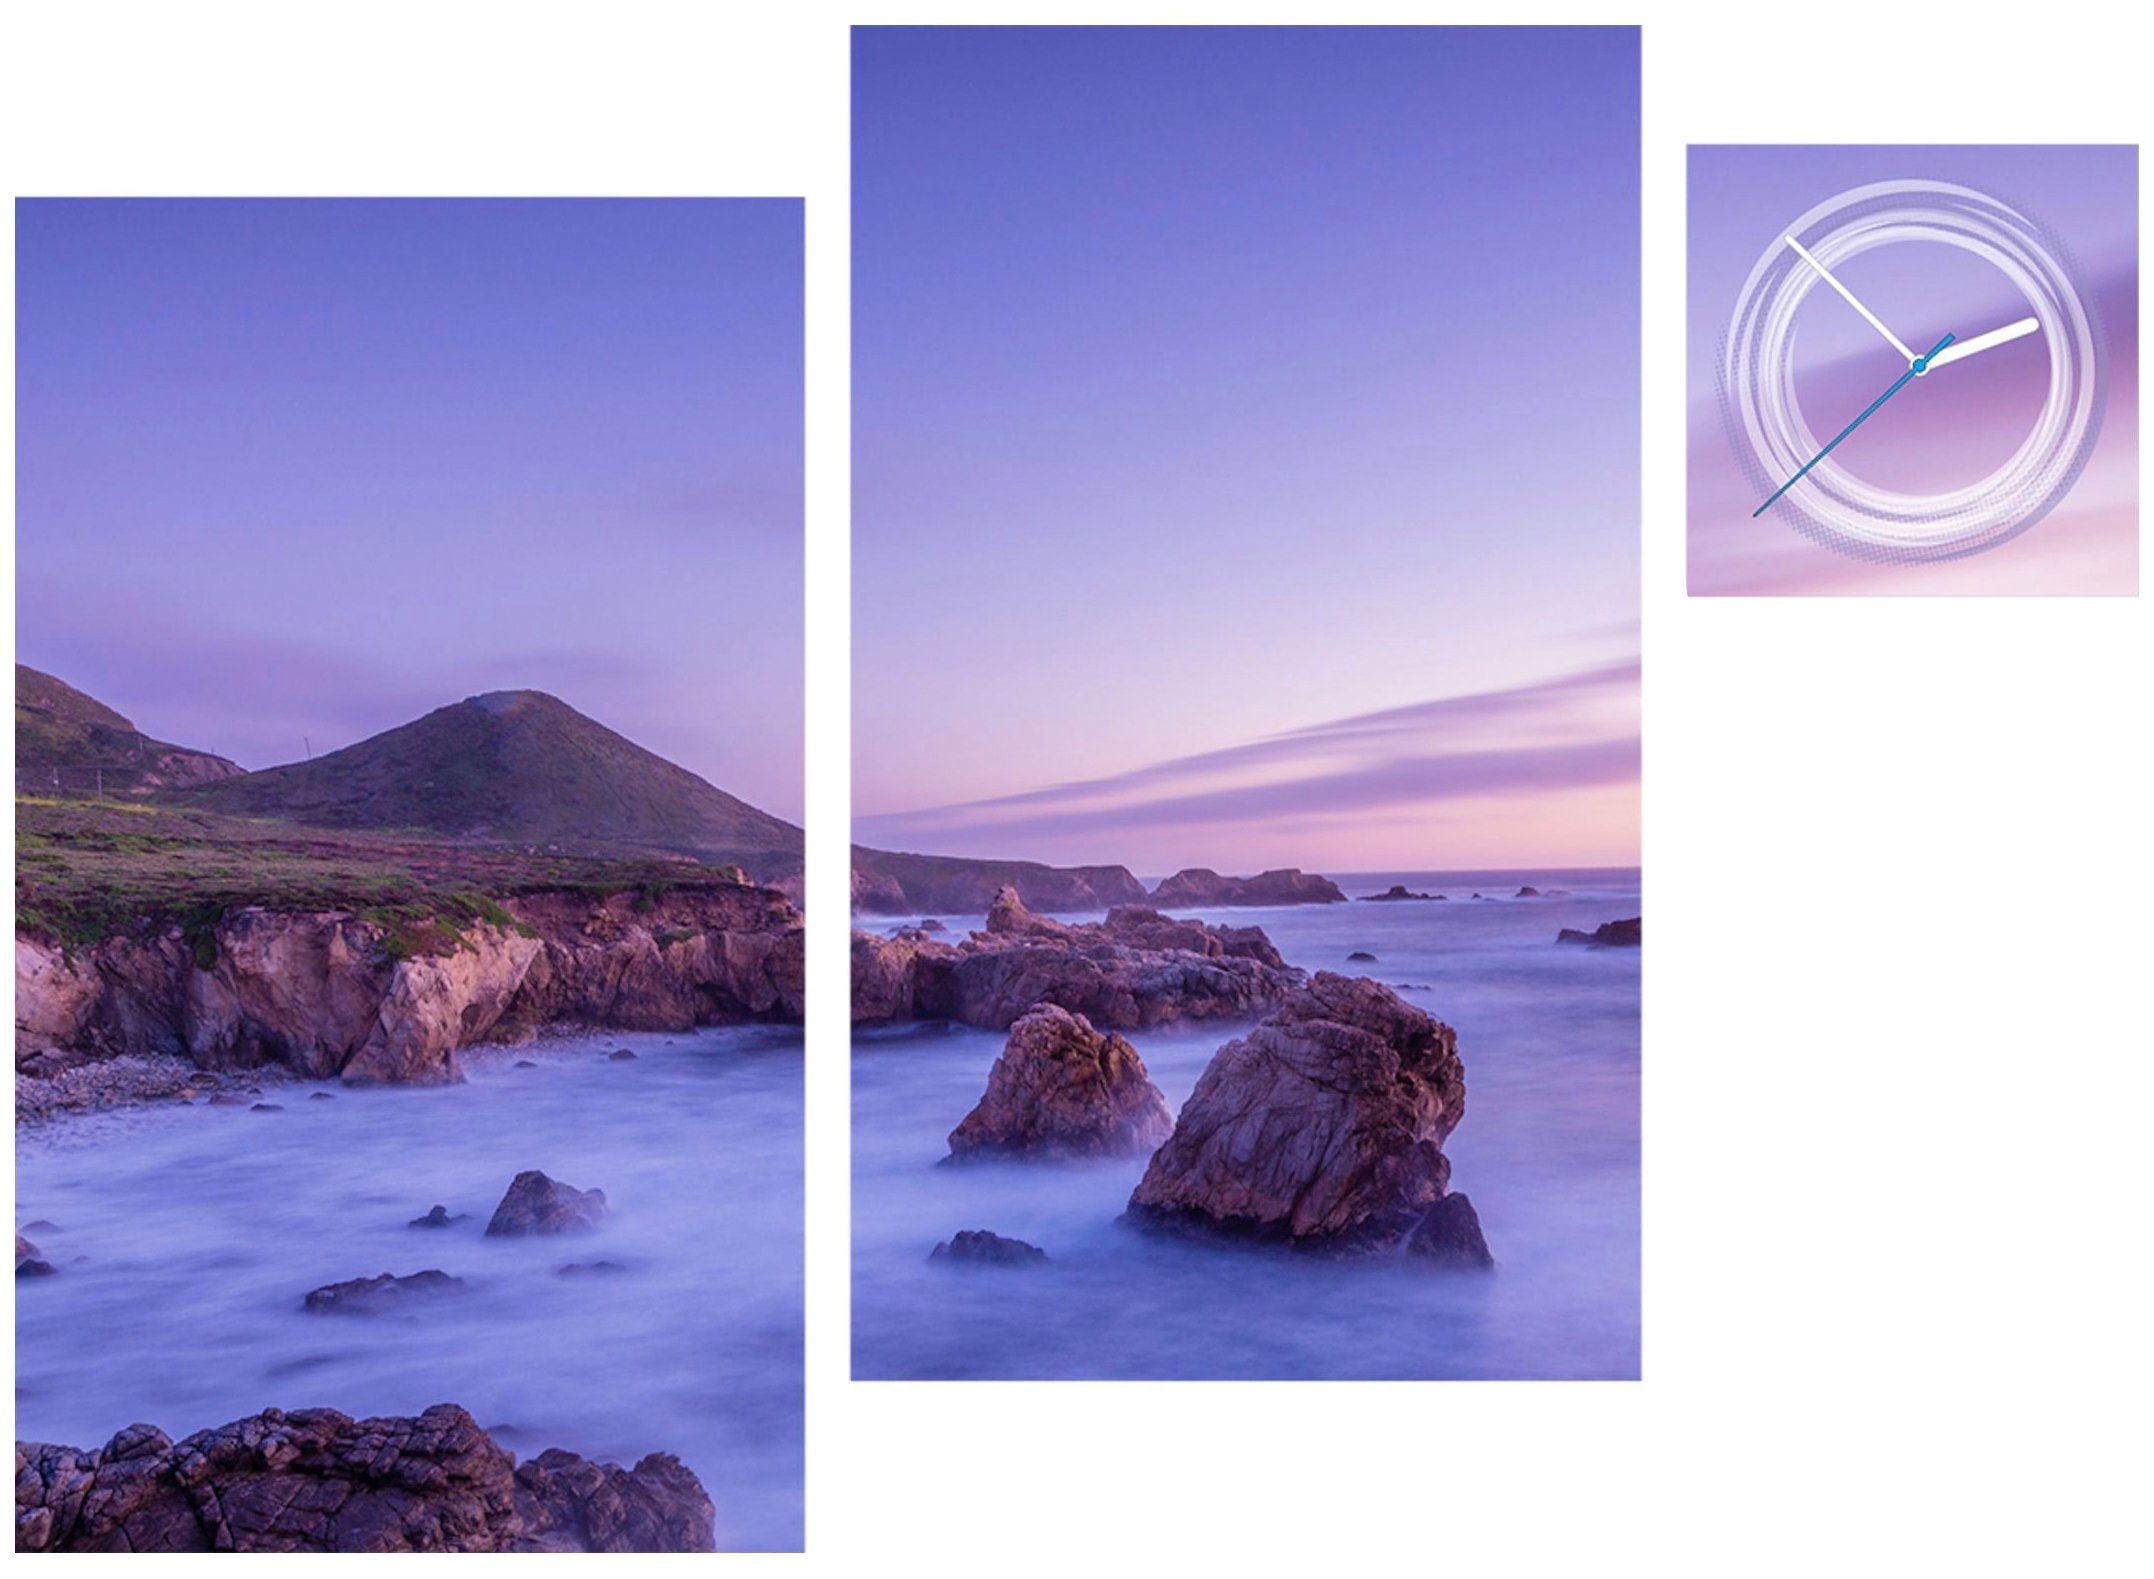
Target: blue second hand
point(1921, 362)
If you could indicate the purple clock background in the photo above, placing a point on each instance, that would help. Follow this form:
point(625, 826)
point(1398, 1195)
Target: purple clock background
point(1742, 197)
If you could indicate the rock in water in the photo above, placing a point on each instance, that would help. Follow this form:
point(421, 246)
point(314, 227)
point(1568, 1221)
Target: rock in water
point(436, 1217)
point(1201, 886)
point(1450, 1236)
point(370, 1296)
point(536, 1204)
point(1323, 1128)
point(1609, 934)
point(1062, 1090)
point(29, 1261)
point(317, 1480)
point(1361, 956)
point(978, 1247)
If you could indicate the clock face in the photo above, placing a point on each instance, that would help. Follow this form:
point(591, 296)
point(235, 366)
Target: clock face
point(1912, 372)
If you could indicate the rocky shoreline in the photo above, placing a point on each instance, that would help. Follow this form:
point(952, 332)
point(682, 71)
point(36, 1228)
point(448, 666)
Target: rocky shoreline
point(316, 1480)
point(131, 1081)
point(1320, 1130)
point(338, 994)
point(1135, 969)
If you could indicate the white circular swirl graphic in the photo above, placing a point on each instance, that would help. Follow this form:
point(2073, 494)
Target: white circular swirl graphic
point(1831, 505)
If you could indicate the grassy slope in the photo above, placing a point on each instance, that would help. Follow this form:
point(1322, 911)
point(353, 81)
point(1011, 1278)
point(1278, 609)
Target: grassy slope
point(87, 869)
point(515, 768)
point(60, 730)
point(909, 869)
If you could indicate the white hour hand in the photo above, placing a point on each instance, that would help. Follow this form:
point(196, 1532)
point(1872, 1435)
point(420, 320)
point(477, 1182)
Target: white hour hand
point(1875, 322)
point(1982, 342)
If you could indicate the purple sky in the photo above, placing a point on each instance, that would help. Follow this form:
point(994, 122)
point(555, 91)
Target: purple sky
point(307, 469)
point(1218, 388)
point(1742, 198)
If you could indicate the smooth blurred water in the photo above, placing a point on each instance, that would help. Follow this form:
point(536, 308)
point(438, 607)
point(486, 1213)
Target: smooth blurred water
point(186, 1237)
point(1548, 1151)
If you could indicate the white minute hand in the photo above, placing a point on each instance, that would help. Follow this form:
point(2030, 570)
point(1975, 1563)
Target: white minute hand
point(1875, 322)
point(1982, 342)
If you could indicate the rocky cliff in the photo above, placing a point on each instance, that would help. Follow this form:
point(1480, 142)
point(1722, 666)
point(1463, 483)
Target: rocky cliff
point(388, 999)
point(888, 884)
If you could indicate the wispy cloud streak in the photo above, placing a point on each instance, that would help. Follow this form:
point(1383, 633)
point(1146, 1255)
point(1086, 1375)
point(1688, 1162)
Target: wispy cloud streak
point(1569, 732)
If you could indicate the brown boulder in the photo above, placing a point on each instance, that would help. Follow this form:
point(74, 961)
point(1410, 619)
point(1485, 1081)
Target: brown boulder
point(1323, 1128)
point(535, 1204)
point(1008, 917)
point(318, 1480)
point(1062, 1090)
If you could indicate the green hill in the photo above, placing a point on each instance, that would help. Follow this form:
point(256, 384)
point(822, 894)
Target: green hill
point(522, 770)
point(70, 744)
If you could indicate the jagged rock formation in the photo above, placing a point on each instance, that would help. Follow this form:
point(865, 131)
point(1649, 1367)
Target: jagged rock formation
point(1137, 968)
point(1062, 1090)
point(535, 1204)
point(890, 884)
point(1395, 892)
point(1200, 887)
point(331, 993)
point(315, 1480)
point(1322, 1129)
point(370, 1296)
point(978, 1247)
point(29, 1260)
point(67, 743)
point(1609, 934)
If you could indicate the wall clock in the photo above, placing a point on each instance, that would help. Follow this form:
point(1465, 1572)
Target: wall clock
point(1792, 452)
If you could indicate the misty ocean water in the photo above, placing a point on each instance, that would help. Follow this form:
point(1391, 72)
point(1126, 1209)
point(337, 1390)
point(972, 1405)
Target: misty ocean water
point(185, 1239)
point(1548, 1151)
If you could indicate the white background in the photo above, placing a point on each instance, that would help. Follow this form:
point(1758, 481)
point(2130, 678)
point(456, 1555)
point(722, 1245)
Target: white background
point(1896, 858)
